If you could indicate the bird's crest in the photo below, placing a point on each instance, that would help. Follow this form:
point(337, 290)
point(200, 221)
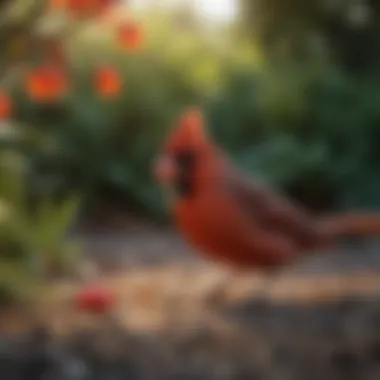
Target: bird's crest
point(189, 133)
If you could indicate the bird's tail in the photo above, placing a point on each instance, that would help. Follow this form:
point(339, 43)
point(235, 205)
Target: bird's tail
point(339, 226)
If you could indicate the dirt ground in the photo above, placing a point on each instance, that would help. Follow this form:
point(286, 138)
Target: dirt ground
point(179, 317)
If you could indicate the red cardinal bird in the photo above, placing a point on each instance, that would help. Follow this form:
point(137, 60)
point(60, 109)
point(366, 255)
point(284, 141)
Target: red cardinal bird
point(237, 221)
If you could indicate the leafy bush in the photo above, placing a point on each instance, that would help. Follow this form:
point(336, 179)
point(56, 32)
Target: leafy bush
point(92, 143)
point(33, 224)
point(32, 237)
point(309, 128)
point(315, 135)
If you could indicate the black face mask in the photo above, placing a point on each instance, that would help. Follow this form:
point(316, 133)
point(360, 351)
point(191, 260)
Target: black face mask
point(186, 163)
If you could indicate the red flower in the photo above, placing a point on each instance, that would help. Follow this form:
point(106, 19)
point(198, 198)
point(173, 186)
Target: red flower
point(82, 8)
point(130, 36)
point(108, 82)
point(47, 83)
point(57, 4)
point(6, 106)
point(104, 5)
point(111, 15)
point(95, 299)
point(88, 8)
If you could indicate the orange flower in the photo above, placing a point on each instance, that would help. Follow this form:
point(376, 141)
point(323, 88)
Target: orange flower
point(95, 299)
point(81, 8)
point(108, 81)
point(111, 14)
point(87, 8)
point(57, 4)
point(104, 5)
point(130, 36)
point(5, 106)
point(47, 83)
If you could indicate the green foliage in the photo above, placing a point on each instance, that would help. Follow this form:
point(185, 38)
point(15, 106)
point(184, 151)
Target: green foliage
point(289, 107)
point(19, 22)
point(90, 143)
point(32, 226)
point(316, 138)
point(345, 32)
point(32, 238)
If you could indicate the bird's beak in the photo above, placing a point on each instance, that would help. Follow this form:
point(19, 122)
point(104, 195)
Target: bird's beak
point(164, 170)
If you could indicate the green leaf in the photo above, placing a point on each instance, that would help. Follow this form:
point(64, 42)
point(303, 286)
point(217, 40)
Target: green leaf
point(49, 225)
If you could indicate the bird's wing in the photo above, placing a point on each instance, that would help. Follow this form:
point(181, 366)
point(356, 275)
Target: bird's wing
point(272, 211)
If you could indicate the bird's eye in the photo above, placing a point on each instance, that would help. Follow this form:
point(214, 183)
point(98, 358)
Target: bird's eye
point(185, 160)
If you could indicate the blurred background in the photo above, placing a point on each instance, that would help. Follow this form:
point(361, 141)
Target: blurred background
point(90, 268)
